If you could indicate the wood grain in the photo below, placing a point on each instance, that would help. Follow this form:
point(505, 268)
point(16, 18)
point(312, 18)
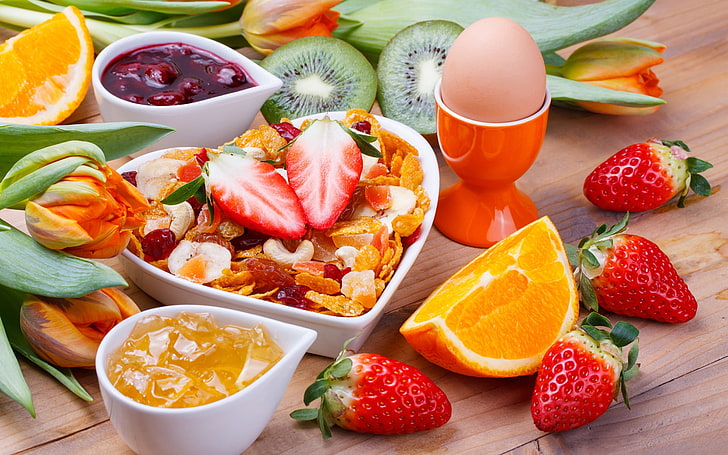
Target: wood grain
point(680, 397)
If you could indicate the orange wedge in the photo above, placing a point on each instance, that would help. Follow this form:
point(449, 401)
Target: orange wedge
point(45, 71)
point(497, 316)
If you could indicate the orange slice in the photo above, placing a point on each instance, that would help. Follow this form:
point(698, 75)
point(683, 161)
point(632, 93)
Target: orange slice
point(45, 71)
point(497, 316)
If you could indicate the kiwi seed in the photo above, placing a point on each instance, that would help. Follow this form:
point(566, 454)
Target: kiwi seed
point(319, 74)
point(409, 67)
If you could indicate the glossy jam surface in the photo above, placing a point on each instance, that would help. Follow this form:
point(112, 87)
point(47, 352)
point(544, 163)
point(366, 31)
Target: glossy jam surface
point(189, 360)
point(172, 74)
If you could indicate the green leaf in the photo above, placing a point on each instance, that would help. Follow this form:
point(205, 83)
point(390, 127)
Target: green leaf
point(590, 261)
point(632, 358)
point(10, 312)
point(35, 183)
point(116, 139)
point(563, 89)
point(572, 253)
point(700, 185)
point(121, 7)
point(184, 192)
point(597, 320)
point(305, 414)
point(12, 382)
point(588, 296)
point(341, 368)
point(696, 165)
point(315, 391)
point(323, 424)
point(552, 27)
point(29, 267)
point(363, 141)
point(623, 333)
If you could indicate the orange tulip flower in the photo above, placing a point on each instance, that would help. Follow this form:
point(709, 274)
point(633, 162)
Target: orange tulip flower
point(620, 64)
point(89, 213)
point(67, 332)
point(269, 24)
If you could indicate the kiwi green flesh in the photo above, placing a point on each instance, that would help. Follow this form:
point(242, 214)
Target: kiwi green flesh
point(319, 74)
point(409, 67)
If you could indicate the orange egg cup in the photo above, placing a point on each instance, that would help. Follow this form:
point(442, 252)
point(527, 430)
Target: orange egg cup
point(485, 205)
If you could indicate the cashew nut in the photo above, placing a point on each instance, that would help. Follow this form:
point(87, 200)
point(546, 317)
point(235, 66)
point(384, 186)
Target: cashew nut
point(275, 250)
point(347, 255)
point(182, 217)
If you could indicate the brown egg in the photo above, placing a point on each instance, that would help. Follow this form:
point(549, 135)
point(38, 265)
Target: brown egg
point(494, 72)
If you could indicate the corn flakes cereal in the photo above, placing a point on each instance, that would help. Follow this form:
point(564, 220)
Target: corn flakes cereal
point(368, 258)
point(359, 225)
point(406, 225)
point(265, 138)
point(337, 304)
point(411, 174)
point(318, 283)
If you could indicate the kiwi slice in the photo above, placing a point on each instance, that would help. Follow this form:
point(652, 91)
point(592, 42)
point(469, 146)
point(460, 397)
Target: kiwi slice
point(409, 67)
point(319, 74)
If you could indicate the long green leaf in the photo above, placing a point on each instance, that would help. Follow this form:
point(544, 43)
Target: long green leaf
point(567, 90)
point(12, 382)
point(553, 27)
point(10, 302)
point(116, 139)
point(29, 267)
point(119, 7)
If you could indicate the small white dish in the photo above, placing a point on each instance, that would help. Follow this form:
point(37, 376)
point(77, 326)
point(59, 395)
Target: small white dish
point(332, 331)
point(224, 427)
point(206, 123)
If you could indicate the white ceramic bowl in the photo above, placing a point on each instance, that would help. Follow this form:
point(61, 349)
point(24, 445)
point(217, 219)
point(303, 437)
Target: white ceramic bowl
point(228, 426)
point(206, 123)
point(333, 331)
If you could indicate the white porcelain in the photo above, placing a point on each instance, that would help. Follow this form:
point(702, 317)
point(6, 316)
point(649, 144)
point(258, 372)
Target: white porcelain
point(207, 123)
point(225, 427)
point(333, 331)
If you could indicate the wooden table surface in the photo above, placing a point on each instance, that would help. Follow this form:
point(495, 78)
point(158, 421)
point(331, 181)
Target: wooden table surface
point(680, 397)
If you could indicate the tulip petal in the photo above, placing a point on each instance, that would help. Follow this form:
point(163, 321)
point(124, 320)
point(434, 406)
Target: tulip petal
point(126, 304)
point(601, 60)
point(53, 231)
point(53, 337)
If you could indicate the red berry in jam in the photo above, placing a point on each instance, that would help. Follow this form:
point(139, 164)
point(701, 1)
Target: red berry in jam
point(160, 74)
point(158, 244)
point(167, 99)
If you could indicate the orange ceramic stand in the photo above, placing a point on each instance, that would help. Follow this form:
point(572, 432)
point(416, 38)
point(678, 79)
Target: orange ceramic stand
point(485, 206)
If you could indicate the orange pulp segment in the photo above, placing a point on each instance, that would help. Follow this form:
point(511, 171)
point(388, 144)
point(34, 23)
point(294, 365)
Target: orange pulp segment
point(497, 316)
point(45, 71)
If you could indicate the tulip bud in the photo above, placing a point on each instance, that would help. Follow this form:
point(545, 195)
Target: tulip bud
point(66, 332)
point(619, 64)
point(269, 24)
point(73, 200)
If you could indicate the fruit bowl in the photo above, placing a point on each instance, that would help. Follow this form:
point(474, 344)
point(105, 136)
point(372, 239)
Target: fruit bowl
point(332, 330)
point(205, 123)
point(227, 426)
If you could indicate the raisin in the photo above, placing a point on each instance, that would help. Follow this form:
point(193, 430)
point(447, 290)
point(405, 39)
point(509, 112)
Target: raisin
point(249, 240)
point(159, 243)
point(268, 275)
point(130, 176)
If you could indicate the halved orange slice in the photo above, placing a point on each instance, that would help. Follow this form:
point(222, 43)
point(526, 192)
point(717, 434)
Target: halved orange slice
point(497, 316)
point(45, 71)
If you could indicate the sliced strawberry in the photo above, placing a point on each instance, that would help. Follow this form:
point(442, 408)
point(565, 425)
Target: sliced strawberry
point(324, 165)
point(253, 194)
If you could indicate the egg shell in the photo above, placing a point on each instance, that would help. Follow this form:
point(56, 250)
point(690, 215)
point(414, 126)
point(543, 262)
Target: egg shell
point(494, 72)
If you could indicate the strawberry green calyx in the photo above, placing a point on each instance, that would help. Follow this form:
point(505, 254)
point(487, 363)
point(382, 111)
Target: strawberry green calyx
point(694, 181)
point(589, 256)
point(614, 338)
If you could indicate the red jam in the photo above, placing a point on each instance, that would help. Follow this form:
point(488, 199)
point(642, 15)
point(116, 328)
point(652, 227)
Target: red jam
point(171, 74)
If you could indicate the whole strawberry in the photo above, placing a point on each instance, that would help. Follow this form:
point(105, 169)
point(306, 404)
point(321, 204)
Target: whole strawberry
point(645, 176)
point(582, 373)
point(370, 393)
point(630, 275)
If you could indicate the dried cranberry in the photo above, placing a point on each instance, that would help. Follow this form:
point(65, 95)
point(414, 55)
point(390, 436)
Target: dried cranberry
point(286, 130)
point(412, 238)
point(363, 126)
point(166, 99)
point(202, 157)
point(335, 273)
point(158, 244)
point(249, 240)
point(268, 274)
point(130, 176)
point(196, 205)
point(294, 296)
